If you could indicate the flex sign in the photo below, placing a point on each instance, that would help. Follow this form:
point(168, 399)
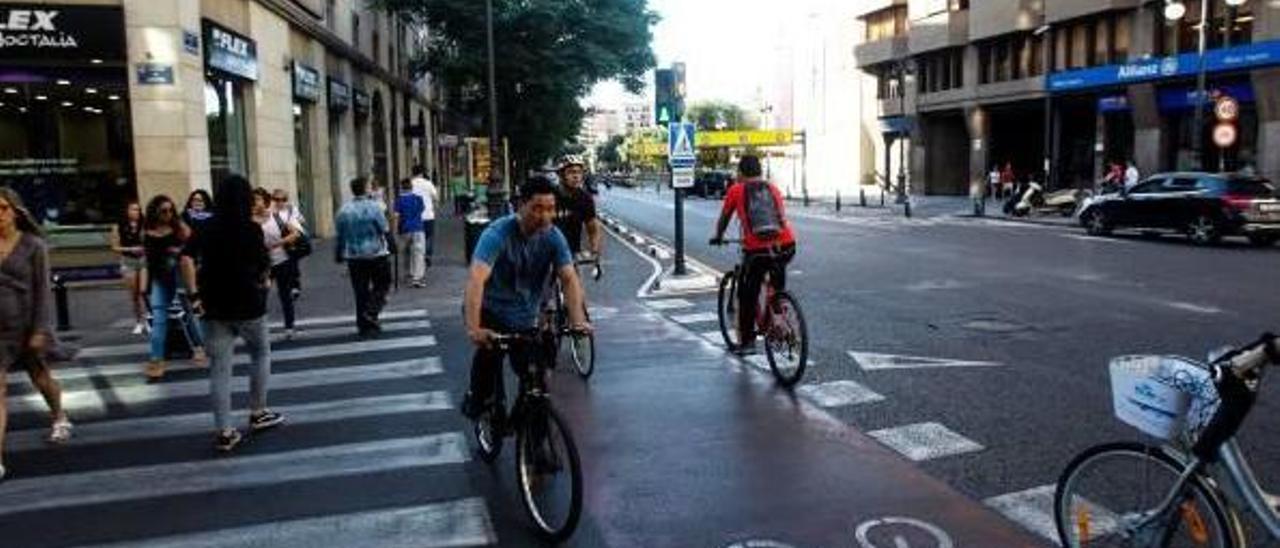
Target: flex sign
point(65, 32)
point(230, 52)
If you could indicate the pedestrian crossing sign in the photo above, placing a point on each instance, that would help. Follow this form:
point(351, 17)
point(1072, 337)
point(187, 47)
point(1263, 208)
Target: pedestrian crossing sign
point(681, 142)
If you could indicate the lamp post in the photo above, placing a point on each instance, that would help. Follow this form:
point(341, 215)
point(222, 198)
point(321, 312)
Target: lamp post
point(1042, 34)
point(903, 69)
point(1175, 10)
point(496, 191)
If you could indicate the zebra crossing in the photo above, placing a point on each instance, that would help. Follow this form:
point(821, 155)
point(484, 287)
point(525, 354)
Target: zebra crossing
point(372, 452)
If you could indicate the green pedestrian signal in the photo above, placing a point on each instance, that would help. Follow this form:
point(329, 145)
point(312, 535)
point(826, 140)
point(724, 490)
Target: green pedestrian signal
point(664, 84)
point(664, 117)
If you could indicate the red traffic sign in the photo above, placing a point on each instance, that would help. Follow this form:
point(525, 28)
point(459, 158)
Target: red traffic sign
point(1224, 135)
point(1226, 109)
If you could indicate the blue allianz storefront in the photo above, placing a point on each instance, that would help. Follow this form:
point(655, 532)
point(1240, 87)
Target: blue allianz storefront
point(1145, 110)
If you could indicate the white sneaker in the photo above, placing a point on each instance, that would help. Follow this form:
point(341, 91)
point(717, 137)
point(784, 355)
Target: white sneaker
point(1, 472)
point(60, 433)
point(138, 328)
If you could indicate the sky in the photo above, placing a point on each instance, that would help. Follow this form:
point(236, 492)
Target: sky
point(729, 47)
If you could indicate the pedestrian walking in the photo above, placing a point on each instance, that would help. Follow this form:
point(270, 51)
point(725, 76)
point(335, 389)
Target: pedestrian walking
point(25, 333)
point(229, 291)
point(409, 208)
point(1131, 176)
point(290, 214)
point(277, 235)
point(126, 241)
point(164, 235)
point(198, 211)
point(362, 244)
point(993, 181)
point(426, 189)
point(1008, 180)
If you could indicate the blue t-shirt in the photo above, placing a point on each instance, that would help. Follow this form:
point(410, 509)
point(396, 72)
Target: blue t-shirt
point(409, 208)
point(521, 268)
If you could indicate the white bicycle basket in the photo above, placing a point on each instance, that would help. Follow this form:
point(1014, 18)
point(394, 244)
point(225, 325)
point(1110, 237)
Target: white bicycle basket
point(1169, 397)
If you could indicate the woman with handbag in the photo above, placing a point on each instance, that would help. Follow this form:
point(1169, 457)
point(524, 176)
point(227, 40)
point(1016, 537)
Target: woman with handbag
point(278, 235)
point(25, 334)
point(289, 213)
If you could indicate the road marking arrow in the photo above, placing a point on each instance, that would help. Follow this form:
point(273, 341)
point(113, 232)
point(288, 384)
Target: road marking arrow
point(870, 361)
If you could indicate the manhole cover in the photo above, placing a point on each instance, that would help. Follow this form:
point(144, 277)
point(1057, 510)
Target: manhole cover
point(994, 326)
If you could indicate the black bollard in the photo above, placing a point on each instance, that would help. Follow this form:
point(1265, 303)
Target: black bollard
point(862, 197)
point(837, 200)
point(60, 303)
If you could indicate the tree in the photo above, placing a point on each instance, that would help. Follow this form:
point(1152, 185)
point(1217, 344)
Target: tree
point(607, 153)
point(718, 115)
point(548, 54)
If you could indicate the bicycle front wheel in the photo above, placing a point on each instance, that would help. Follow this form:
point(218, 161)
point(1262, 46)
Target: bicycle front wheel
point(786, 341)
point(1110, 496)
point(549, 473)
point(728, 308)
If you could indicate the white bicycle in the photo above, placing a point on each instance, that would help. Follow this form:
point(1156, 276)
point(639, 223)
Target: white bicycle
point(1188, 491)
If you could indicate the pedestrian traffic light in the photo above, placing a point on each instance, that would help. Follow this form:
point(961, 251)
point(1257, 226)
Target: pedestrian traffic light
point(664, 109)
point(678, 90)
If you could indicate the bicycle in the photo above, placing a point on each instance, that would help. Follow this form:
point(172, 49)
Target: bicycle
point(779, 320)
point(582, 347)
point(547, 463)
point(1185, 492)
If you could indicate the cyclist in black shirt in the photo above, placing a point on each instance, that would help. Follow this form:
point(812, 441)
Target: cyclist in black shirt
point(576, 208)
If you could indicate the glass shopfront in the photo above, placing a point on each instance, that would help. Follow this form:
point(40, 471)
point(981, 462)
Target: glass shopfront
point(231, 63)
point(306, 91)
point(65, 138)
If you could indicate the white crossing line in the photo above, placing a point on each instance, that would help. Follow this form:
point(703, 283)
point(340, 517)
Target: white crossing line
point(99, 398)
point(219, 474)
point(351, 319)
point(300, 335)
point(925, 441)
point(871, 361)
point(669, 304)
point(449, 524)
point(149, 428)
point(713, 337)
point(291, 354)
point(839, 393)
point(761, 361)
point(1033, 509)
point(698, 317)
point(1192, 307)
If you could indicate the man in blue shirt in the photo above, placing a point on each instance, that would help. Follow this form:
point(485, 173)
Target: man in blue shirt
point(510, 270)
point(410, 208)
point(362, 243)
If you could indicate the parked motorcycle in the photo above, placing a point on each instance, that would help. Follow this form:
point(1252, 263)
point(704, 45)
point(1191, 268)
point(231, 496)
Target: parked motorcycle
point(1033, 200)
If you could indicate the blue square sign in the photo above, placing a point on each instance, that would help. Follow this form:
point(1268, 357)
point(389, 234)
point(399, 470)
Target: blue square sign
point(681, 143)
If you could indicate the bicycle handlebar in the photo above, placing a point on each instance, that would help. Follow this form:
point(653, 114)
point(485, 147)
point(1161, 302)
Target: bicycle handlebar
point(1253, 355)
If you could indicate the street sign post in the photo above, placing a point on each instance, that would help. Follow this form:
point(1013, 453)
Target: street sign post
point(682, 155)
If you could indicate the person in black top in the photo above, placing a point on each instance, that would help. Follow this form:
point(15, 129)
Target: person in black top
point(229, 291)
point(162, 240)
point(198, 211)
point(576, 208)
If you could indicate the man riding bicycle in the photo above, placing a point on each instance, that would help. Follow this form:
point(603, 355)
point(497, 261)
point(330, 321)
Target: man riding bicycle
point(576, 208)
point(512, 265)
point(768, 242)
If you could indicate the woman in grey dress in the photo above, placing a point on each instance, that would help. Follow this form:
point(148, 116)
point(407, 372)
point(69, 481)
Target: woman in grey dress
point(24, 313)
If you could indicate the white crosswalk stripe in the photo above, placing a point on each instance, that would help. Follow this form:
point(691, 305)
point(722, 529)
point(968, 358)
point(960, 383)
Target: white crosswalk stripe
point(407, 425)
point(839, 393)
point(697, 317)
point(300, 336)
point(925, 441)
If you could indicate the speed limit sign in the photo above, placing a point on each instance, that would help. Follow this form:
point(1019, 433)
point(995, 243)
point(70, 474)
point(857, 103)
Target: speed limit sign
point(1224, 135)
point(1226, 109)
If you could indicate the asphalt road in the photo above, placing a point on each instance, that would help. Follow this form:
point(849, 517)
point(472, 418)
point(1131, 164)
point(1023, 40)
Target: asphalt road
point(1042, 308)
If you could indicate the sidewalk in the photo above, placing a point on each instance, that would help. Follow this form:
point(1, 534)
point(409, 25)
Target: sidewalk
point(684, 445)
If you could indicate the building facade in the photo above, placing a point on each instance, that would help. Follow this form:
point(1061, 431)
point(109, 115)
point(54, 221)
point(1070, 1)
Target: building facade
point(1056, 89)
point(107, 101)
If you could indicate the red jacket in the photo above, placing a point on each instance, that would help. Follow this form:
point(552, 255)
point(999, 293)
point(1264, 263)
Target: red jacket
point(735, 202)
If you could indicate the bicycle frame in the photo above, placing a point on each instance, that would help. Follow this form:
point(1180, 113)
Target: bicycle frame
point(1244, 490)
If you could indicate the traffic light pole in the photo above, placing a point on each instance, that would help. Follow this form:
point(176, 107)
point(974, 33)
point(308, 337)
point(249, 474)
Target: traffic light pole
point(680, 268)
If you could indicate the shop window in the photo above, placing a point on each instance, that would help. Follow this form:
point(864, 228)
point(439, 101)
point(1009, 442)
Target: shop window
point(224, 112)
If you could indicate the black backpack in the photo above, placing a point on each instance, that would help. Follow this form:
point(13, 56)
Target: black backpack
point(763, 218)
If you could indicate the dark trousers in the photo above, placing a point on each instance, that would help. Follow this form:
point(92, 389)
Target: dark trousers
point(286, 278)
point(757, 263)
point(486, 364)
point(370, 279)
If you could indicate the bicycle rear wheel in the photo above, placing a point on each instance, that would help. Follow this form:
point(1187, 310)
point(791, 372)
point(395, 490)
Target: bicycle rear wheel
point(728, 308)
point(786, 342)
point(549, 473)
point(1109, 494)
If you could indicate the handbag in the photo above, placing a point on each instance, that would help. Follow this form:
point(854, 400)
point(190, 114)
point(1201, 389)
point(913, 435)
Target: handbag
point(301, 247)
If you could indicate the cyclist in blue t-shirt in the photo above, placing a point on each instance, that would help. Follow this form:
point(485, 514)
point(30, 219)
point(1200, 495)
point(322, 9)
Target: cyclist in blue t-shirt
point(512, 264)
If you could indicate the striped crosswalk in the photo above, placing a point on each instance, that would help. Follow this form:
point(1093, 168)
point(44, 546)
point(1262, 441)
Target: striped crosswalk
point(372, 453)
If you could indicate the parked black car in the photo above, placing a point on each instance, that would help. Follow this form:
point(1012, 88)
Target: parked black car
point(709, 184)
point(1204, 206)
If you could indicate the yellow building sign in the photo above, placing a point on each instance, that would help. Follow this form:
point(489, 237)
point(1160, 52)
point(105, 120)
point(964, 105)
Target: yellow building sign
point(752, 138)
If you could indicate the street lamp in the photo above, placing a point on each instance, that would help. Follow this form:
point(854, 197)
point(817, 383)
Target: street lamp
point(496, 192)
point(1175, 10)
point(1042, 34)
point(903, 69)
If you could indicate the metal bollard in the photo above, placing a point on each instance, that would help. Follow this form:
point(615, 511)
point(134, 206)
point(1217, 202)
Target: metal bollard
point(837, 200)
point(60, 303)
point(862, 197)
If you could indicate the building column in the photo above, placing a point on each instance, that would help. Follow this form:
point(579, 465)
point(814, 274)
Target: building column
point(979, 126)
point(1147, 138)
point(1266, 88)
point(271, 129)
point(170, 135)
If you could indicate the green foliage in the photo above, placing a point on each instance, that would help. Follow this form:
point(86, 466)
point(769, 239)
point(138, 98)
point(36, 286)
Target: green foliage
point(549, 53)
point(716, 115)
point(608, 155)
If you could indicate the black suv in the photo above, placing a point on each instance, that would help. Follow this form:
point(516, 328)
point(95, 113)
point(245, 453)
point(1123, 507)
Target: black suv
point(1204, 206)
point(710, 184)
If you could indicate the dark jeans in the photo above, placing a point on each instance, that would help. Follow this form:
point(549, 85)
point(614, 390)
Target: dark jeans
point(486, 364)
point(370, 279)
point(286, 277)
point(756, 264)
